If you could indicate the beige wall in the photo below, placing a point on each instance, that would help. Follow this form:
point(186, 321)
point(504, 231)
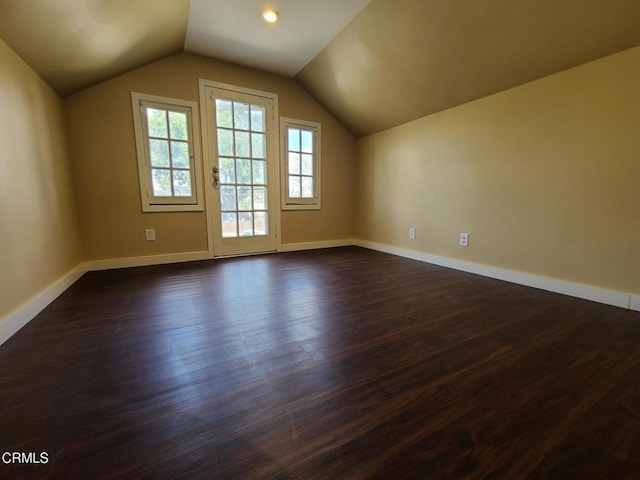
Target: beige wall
point(39, 237)
point(545, 177)
point(100, 128)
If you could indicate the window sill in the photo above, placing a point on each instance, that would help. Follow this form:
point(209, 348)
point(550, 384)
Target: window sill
point(294, 206)
point(172, 208)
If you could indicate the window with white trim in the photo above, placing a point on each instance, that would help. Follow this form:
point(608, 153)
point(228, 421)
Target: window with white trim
point(169, 168)
point(300, 152)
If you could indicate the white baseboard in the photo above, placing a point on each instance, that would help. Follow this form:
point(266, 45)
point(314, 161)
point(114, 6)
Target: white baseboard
point(111, 263)
point(18, 318)
point(22, 315)
point(634, 302)
point(587, 292)
point(295, 247)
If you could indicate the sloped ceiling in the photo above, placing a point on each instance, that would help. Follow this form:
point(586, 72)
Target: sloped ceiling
point(396, 61)
point(399, 60)
point(234, 31)
point(74, 44)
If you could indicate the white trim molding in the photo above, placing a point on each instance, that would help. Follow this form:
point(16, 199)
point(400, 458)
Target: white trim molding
point(140, 102)
point(315, 129)
point(126, 262)
point(18, 318)
point(634, 302)
point(208, 89)
point(587, 292)
point(296, 247)
point(22, 315)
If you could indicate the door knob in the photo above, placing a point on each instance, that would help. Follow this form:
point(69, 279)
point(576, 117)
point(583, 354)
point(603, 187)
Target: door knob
point(216, 177)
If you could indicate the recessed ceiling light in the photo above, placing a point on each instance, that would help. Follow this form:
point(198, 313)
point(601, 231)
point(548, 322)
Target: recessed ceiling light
point(270, 15)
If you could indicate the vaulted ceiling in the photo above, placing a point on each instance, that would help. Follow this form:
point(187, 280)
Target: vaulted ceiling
point(74, 44)
point(403, 59)
point(374, 63)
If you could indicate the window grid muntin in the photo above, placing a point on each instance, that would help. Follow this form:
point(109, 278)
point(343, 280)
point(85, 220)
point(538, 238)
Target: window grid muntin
point(168, 140)
point(300, 151)
point(148, 201)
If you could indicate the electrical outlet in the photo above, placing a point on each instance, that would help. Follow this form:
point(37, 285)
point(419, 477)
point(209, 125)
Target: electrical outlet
point(412, 233)
point(150, 234)
point(464, 239)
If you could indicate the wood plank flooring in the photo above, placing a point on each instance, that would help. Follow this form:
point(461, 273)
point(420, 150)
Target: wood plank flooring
point(333, 364)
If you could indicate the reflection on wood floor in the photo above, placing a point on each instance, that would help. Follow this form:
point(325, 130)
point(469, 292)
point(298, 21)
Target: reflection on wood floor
point(339, 364)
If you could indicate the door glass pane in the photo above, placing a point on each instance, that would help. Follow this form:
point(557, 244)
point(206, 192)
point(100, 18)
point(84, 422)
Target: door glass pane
point(161, 182)
point(225, 142)
point(259, 172)
point(244, 198)
point(259, 198)
point(227, 170)
point(180, 154)
point(182, 183)
point(242, 144)
point(157, 122)
point(224, 114)
point(229, 224)
point(242, 153)
point(244, 171)
point(228, 198)
point(257, 145)
point(240, 116)
point(178, 125)
point(260, 223)
point(159, 150)
point(257, 118)
point(245, 224)
point(307, 141)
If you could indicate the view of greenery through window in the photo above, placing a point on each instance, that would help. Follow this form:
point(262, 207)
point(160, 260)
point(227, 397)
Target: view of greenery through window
point(242, 168)
point(300, 162)
point(169, 152)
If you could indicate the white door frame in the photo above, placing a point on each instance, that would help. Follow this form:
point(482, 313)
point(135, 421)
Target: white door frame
point(208, 159)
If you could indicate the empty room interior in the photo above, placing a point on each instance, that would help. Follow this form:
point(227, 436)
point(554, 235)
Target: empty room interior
point(303, 239)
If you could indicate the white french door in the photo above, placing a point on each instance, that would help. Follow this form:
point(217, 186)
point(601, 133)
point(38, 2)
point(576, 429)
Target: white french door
point(242, 159)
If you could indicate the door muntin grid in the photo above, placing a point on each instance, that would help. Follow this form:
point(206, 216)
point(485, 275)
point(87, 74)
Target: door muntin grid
point(242, 164)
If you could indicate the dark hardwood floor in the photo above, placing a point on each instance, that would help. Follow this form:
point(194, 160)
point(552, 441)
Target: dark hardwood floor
point(337, 364)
